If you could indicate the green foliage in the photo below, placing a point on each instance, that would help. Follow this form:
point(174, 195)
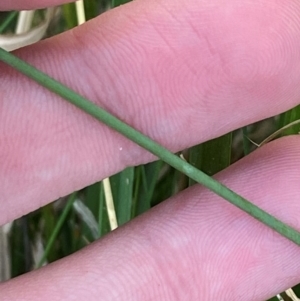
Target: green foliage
point(116, 3)
point(122, 188)
point(212, 156)
point(70, 17)
point(289, 117)
point(6, 22)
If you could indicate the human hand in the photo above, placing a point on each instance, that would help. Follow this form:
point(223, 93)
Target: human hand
point(191, 66)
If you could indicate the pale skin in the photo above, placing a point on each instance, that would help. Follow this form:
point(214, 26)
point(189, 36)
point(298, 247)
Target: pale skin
point(198, 69)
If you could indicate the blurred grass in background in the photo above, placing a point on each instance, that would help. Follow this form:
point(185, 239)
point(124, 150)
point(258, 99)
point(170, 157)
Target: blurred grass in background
point(70, 223)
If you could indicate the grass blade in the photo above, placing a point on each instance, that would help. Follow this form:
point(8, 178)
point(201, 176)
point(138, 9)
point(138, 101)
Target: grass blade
point(211, 156)
point(122, 189)
point(103, 221)
point(86, 215)
point(246, 141)
point(289, 117)
point(149, 177)
point(57, 228)
point(91, 9)
point(11, 16)
point(70, 17)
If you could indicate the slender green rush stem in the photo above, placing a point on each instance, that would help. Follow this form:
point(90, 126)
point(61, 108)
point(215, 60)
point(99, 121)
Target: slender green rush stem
point(57, 228)
point(150, 145)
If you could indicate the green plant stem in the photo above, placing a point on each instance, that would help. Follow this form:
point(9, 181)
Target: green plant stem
point(8, 20)
point(57, 228)
point(246, 141)
point(150, 145)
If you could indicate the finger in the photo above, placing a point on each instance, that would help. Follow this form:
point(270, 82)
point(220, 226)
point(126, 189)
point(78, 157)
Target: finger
point(227, 66)
point(195, 246)
point(29, 4)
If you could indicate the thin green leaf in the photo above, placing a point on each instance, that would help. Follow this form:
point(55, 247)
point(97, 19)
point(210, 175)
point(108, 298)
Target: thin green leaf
point(10, 17)
point(57, 228)
point(122, 189)
point(18, 264)
point(166, 184)
point(246, 141)
point(149, 178)
point(91, 197)
point(90, 8)
point(70, 17)
point(289, 117)
point(211, 156)
point(49, 220)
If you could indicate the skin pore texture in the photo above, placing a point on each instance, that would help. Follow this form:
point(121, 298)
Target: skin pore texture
point(198, 67)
